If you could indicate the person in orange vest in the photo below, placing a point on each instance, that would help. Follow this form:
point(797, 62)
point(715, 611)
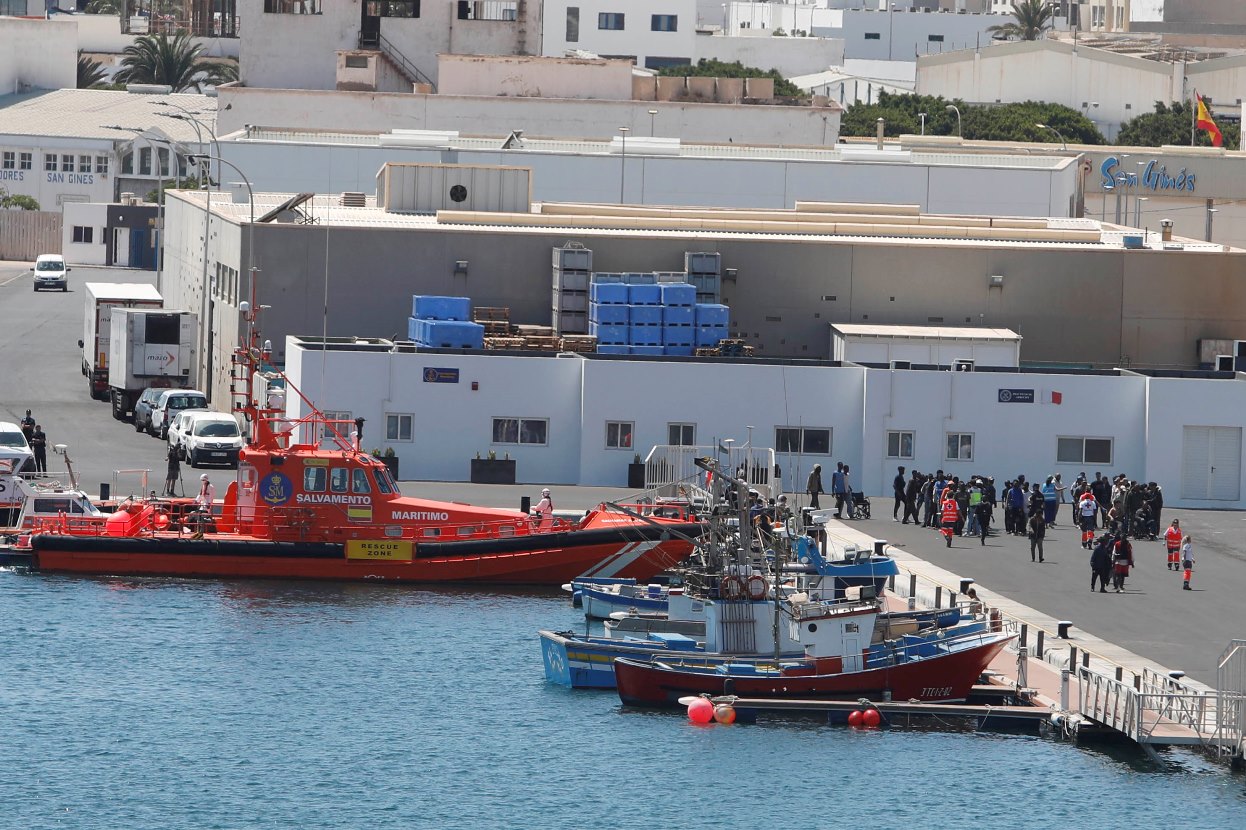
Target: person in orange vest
point(1172, 538)
point(1187, 562)
point(1087, 510)
point(950, 515)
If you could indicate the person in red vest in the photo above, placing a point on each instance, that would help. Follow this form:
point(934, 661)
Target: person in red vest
point(950, 515)
point(1087, 510)
point(1172, 538)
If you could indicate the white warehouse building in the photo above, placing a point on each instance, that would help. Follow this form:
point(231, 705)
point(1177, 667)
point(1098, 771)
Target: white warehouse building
point(1183, 430)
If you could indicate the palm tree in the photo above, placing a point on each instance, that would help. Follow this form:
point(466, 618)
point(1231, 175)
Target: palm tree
point(104, 7)
point(160, 59)
point(1032, 18)
point(90, 72)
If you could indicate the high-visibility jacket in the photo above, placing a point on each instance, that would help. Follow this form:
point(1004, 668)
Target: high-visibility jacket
point(951, 511)
point(1173, 537)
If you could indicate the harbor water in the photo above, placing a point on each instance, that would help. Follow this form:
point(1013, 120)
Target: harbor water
point(185, 704)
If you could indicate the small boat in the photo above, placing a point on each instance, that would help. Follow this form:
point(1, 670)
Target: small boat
point(836, 665)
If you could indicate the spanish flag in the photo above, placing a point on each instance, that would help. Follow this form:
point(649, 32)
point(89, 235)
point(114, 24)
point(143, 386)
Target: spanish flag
point(1203, 122)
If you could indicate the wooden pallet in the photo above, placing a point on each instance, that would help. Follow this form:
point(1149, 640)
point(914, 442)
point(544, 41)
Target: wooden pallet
point(534, 331)
point(484, 314)
point(497, 342)
point(580, 343)
point(542, 343)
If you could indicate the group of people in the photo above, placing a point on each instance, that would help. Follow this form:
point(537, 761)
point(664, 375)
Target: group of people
point(37, 440)
point(841, 489)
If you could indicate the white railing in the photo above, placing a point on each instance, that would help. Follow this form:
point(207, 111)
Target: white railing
point(670, 467)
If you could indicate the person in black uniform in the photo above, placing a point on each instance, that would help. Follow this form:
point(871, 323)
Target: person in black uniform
point(28, 426)
point(39, 443)
point(175, 473)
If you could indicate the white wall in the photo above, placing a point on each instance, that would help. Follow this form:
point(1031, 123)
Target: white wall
point(93, 216)
point(1174, 403)
point(637, 38)
point(789, 55)
point(531, 77)
point(926, 351)
point(53, 189)
point(37, 54)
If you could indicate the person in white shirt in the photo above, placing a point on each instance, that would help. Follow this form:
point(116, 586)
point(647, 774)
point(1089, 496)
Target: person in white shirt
point(545, 510)
point(207, 493)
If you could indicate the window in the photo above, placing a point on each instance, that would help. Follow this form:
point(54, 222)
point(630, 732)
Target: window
point(1084, 450)
point(619, 435)
point(610, 20)
point(520, 431)
point(359, 481)
point(357, 61)
point(934, 38)
point(573, 24)
point(873, 36)
point(681, 435)
point(292, 6)
point(899, 444)
point(339, 479)
point(84, 164)
point(382, 481)
point(67, 163)
point(326, 430)
point(49, 162)
point(162, 153)
point(101, 165)
point(25, 161)
point(127, 164)
point(144, 161)
point(804, 440)
point(10, 160)
point(960, 446)
point(398, 427)
point(84, 234)
point(664, 22)
point(314, 479)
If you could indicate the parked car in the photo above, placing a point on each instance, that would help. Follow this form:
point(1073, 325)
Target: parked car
point(15, 449)
point(171, 402)
point(144, 405)
point(180, 427)
point(210, 438)
point(51, 272)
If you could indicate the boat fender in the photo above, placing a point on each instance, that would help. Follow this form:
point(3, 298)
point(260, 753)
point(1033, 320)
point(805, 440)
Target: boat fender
point(757, 587)
point(724, 713)
point(732, 587)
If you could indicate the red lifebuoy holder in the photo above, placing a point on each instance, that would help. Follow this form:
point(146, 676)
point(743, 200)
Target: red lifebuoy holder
point(757, 587)
point(732, 587)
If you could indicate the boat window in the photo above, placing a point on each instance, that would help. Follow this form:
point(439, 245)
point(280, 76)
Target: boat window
point(12, 439)
point(432, 531)
point(468, 530)
point(339, 479)
point(382, 481)
point(314, 479)
point(506, 530)
point(51, 505)
point(359, 481)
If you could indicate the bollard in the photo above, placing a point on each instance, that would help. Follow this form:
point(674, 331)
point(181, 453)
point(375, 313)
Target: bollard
point(891, 583)
point(880, 547)
point(1038, 644)
point(1085, 658)
point(1064, 690)
point(938, 596)
point(951, 599)
point(1176, 675)
point(105, 491)
point(1022, 640)
point(964, 585)
point(1062, 629)
point(525, 504)
point(912, 585)
point(912, 603)
point(1138, 682)
point(1072, 656)
point(1120, 674)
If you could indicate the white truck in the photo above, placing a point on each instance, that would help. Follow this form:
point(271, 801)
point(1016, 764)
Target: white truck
point(149, 347)
point(102, 298)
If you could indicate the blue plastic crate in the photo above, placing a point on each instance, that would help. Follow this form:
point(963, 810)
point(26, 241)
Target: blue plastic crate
point(452, 334)
point(677, 336)
point(644, 294)
point(608, 293)
point(679, 351)
point(709, 335)
point(613, 348)
point(679, 293)
point(415, 329)
point(645, 315)
point(678, 315)
point(645, 335)
point(430, 307)
point(653, 351)
point(712, 314)
point(610, 315)
point(614, 335)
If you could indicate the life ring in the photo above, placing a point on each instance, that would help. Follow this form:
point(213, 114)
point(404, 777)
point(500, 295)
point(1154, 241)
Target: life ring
point(757, 587)
point(732, 587)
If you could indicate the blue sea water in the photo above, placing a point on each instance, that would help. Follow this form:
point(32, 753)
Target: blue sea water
point(183, 704)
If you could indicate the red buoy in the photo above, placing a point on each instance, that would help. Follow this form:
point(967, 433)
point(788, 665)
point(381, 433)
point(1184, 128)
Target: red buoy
point(854, 717)
point(871, 717)
point(700, 711)
point(724, 713)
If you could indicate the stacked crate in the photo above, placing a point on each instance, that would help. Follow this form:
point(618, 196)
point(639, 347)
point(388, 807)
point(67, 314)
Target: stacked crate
point(572, 267)
point(644, 318)
point(678, 317)
point(704, 271)
point(608, 316)
point(443, 323)
point(711, 324)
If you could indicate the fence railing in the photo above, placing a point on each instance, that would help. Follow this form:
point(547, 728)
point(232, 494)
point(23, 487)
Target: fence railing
point(669, 467)
point(404, 65)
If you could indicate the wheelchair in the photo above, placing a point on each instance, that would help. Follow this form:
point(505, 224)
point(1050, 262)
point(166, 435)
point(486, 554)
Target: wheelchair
point(860, 505)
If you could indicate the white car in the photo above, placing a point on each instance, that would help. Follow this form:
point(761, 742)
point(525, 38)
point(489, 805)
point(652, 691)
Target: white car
point(51, 272)
point(168, 404)
point(209, 438)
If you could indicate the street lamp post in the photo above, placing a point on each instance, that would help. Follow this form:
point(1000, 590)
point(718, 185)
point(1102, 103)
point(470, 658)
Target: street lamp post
point(652, 114)
point(1211, 211)
point(1122, 181)
point(623, 131)
point(177, 181)
point(1063, 144)
point(922, 116)
point(1138, 200)
point(956, 109)
point(189, 117)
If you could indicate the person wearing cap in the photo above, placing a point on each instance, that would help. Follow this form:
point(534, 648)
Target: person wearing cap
point(781, 510)
point(207, 493)
point(544, 510)
point(1172, 538)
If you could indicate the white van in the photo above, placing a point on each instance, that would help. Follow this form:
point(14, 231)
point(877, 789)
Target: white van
point(209, 438)
point(51, 272)
point(171, 402)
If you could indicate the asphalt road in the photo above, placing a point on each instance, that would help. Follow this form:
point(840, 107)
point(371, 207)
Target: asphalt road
point(40, 369)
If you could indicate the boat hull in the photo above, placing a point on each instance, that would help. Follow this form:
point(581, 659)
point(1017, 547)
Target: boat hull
point(541, 559)
point(939, 678)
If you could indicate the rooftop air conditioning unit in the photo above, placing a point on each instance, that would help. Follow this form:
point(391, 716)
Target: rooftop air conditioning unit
point(1224, 363)
point(901, 364)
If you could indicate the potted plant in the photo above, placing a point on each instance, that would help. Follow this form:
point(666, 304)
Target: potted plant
point(636, 473)
point(389, 458)
point(493, 470)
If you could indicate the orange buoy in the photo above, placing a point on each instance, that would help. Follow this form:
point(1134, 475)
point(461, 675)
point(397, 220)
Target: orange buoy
point(700, 711)
point(871, 717)
point(854, 717)
point(162, 521)
point(724, 713)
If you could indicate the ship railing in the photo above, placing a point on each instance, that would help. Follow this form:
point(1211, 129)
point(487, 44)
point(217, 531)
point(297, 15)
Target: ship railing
point(1138, 714)
point(669, 467)
point(917, 646)
point(304, 521)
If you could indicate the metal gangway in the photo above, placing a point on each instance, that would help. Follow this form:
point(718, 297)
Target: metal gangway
point(671, 470)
